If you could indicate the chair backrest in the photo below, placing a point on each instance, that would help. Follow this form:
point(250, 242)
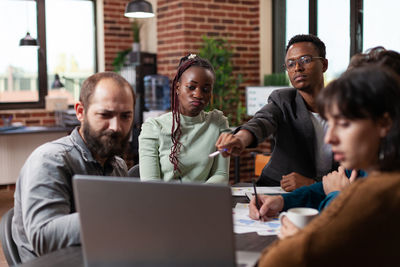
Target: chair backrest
point(9, 248)
point(260, 162)
point(134, 171)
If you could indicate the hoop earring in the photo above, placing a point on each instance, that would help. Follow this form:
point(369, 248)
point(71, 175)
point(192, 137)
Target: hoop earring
point(382, 149)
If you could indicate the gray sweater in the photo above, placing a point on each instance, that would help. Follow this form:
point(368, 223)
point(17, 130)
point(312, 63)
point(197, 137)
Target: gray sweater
point(45, 218)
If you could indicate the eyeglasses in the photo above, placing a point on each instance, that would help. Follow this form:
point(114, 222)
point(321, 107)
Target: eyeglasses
point(304, 60)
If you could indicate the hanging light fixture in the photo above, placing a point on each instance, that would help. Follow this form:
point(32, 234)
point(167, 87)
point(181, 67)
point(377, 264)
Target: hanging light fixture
point(139, 9)
point(28, 40)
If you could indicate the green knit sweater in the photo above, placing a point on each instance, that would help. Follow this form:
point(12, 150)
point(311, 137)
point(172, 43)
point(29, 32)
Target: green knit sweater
point(199, 135)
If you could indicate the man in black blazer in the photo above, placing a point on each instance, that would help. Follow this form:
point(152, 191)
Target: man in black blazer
point(300, 156)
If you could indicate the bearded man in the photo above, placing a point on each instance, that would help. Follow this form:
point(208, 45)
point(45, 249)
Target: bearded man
point(45, 218)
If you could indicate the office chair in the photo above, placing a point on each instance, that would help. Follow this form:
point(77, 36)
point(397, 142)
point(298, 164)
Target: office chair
point(134, 171)
point(9, 247)
point(260, 161)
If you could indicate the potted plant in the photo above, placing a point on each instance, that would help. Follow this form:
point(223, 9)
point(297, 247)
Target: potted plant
point(120, 59)
point(136, 25)
point(276, 79)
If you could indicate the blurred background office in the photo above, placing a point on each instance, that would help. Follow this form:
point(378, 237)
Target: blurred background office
point(75, 38)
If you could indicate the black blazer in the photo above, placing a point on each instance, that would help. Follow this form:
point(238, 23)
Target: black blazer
point(287, 119)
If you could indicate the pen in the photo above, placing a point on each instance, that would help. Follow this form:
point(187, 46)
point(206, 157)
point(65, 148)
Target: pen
point(255, 195)
point(216, 153)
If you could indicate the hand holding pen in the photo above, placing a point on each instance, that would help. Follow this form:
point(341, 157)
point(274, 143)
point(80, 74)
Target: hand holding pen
point(216, 153)
point(232, 143)
point(264, 206)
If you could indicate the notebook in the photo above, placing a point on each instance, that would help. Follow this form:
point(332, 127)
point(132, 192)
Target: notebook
point(126, 222)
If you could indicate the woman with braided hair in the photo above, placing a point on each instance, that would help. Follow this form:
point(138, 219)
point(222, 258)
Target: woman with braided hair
point(176, 145)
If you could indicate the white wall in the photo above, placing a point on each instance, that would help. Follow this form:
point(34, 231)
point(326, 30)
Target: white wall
point(100, 36)
point(148, 32)
point(265, 38)
point(15, 149)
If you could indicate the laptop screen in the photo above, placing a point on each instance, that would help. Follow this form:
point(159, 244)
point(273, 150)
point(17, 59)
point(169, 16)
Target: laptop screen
point(128, 222)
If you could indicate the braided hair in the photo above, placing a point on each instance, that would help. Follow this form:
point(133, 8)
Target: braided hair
point(185, 63)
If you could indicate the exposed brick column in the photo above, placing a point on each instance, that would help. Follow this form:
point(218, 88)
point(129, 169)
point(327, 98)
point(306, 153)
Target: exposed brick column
point(117, 30)
point(181, 23)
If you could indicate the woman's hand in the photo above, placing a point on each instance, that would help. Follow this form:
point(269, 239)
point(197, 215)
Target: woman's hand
point(287, 228)
point(337, 180)
point(270, 206)
point(294, 180)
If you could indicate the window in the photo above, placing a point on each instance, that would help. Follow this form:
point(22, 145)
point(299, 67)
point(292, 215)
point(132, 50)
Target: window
point(296, 18)
point(336, 36)
point(346, 27)
point(380, 23)
point(66, 33)
point(70, 46)
point(18, 65)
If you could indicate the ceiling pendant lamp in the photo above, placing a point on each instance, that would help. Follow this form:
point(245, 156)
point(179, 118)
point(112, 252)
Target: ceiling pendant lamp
point(139, 9)
point(28, 40)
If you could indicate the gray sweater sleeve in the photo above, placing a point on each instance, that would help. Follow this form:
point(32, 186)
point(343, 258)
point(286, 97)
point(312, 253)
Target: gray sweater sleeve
point(48, 214)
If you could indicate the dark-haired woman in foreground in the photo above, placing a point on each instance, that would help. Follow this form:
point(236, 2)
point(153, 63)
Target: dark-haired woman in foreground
point(320, 194)
point(176, 145)
point(361, 226)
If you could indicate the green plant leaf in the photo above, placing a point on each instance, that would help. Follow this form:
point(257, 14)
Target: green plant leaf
point(135, 26)
point(276, 79)
point(119, 60)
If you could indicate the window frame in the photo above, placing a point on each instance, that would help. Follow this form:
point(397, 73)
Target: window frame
point(279, 28)
point(42, 59)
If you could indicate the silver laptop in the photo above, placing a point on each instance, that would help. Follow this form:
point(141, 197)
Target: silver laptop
point(126, 222)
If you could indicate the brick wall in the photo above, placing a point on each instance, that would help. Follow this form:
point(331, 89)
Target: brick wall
point(117, 30)
point(35, 117)
point(181, 23)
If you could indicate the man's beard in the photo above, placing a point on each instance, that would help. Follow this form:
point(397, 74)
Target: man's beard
point(104, 144)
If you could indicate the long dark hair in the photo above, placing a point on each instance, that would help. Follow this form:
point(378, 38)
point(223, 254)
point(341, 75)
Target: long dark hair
point(368, 93)
point(184, 64)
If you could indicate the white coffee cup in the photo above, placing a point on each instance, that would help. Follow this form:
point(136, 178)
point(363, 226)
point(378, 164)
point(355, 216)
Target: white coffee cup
point(299, 216)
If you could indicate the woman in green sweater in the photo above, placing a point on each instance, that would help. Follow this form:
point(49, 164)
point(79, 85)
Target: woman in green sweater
point(176, 145)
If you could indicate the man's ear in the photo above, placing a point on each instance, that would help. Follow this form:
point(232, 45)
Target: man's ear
point(386, 124)
point(324, 64)
point(80, 111)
